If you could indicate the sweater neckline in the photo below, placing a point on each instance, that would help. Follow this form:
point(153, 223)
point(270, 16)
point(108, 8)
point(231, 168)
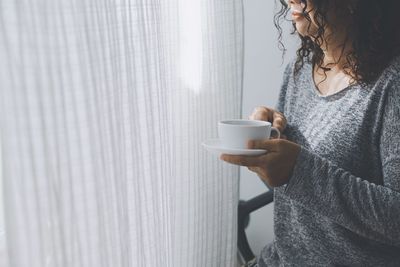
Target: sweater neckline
point(318, 94)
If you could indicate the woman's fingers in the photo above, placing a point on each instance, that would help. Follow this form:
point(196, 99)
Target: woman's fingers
point(262, 114)
point(279, 121)
point(241, 160)
point(270, 145)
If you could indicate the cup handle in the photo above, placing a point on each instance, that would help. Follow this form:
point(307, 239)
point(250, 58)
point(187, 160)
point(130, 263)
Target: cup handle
point(276, 132)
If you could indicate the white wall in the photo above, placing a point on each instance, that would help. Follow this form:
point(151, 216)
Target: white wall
point(262, 79)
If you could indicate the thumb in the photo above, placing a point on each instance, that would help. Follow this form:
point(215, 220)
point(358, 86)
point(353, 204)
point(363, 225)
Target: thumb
point(268, 144)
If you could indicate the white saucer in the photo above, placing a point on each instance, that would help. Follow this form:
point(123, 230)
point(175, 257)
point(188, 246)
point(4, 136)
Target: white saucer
point(215, 146)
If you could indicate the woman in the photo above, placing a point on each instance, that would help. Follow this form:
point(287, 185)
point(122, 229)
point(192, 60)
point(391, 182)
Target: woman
point(336, 178)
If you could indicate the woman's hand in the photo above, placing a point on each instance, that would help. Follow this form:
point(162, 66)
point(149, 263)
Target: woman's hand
point(276, 166)
point(277, 119)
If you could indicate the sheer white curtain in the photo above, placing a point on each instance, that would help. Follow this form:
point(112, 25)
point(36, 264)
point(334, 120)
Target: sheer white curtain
point(104, 104)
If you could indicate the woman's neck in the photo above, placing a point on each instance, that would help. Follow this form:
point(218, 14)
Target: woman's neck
point(335, 51)
point(331, 76)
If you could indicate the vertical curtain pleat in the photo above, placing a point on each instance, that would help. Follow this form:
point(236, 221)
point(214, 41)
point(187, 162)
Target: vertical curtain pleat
point(104, 105)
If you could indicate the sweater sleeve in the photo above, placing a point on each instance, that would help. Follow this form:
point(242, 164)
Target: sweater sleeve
point(368, 209)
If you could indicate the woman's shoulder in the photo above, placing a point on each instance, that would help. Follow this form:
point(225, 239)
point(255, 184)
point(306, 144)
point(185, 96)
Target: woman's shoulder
point(386, 89)
point(297, 69)
point(388, 82)
point(392, 72)
point(289, 67)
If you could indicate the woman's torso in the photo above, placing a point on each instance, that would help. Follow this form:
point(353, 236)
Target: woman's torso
point(343, 128)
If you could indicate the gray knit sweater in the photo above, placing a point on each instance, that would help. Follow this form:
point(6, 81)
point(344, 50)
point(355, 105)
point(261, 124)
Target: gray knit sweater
point(341, 206)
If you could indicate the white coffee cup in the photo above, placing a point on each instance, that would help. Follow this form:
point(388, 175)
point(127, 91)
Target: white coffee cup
point(236, 133)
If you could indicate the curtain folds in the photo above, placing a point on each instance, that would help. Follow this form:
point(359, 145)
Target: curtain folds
point(104, 104)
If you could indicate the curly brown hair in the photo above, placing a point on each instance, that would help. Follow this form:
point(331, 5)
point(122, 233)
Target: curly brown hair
point(373, 26)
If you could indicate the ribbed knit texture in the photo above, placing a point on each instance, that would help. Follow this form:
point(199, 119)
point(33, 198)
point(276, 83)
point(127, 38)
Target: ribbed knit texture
point(341, 206)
